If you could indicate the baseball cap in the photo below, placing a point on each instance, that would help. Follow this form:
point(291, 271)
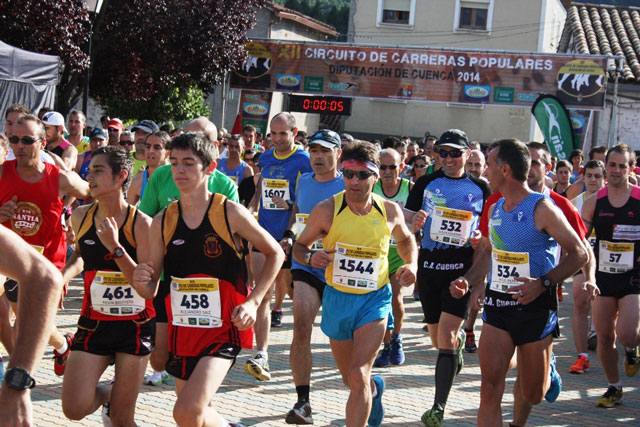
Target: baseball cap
point(325, 138)
point(53, 118)
point(454, 138)
point(116, 123)
point(146, 126)
point(99, 133)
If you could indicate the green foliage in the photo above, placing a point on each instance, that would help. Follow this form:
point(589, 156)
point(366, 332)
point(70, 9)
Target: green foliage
point(169, 104)
point(332, 12)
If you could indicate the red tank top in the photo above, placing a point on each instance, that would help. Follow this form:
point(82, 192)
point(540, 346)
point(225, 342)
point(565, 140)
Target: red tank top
point(37, 218)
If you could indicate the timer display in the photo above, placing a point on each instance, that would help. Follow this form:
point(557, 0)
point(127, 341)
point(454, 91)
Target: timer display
point(320, 105)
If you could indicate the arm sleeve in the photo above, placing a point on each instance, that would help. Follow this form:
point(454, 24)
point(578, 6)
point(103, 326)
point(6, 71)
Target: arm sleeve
point(414, 201)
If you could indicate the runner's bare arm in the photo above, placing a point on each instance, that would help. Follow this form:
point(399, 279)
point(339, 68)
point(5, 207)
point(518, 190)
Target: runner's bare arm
point(147, 272)
point(127, 266)
point(74, 265)
point(242, 223)
point(318, 225)
point(588, 208)
point(406, 244)
point(71, 184)
point(133, 194)
point(70, 157)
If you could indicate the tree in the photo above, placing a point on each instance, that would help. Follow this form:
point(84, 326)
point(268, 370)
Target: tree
point(140, 47)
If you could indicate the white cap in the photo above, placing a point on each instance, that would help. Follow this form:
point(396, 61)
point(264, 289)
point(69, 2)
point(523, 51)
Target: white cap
point(53, 118)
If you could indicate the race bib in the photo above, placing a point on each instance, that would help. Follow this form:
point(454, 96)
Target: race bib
point(505, 267)
point(271, 188)
point(356, 267)
point(450, 226)
point(592, 239)
point(40, 249)
point(615, 257)
point(195, 302)
point(234, 179)
point(301, 223)
point(112, 295)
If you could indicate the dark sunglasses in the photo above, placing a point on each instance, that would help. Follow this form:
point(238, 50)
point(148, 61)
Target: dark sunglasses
point(362, 175)
point(420, 166)
point(127, 142)
point(391, 167)
point(250, 159)
point(453, 153)
point(26, 140)
point(224, 144)
point(113, 129)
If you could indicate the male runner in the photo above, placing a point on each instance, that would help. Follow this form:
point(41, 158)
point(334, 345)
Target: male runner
point(453, 200)
point(357, 301)
point(156, 155)
point(31, 205)
point(520, 305)
point(308, 282)
point(613, 214)
point(233, 166)
point(395, 189)
point(281, 167)
point(197, 240)
point(56, 143)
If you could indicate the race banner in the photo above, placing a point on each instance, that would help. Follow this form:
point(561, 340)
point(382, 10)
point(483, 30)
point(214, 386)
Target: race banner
point(555, 124)
point(422, 74)
point(254, 109)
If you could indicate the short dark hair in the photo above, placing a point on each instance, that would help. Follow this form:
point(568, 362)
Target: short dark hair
point(576, 153)
point(622, 148)
point(564, 164)
point(197, 142)
point(390, 142)
point(32, 118)
point(546, 154)
point(361, 151)
point(514, 153)
point(592, 164)
point(249, 128)
point(78, 113)
point(118, 159)
point(165, 138)
point(17, 108)
point(601, 149)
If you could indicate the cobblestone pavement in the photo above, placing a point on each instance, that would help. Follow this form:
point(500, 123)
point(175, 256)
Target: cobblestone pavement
point(410, 387)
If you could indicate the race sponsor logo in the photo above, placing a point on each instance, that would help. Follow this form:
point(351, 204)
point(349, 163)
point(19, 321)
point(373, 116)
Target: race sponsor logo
point(581, 78)
point(527, 97)
point(288, 81)
point(477, 93)
point(313, 84)
point(27, 219)
point(503, 95)
point(342, 86)
point(212, 247)
point(254, 109)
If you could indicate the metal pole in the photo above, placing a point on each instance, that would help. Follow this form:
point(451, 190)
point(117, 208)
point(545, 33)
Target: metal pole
point(614, 105)
point(87, 74)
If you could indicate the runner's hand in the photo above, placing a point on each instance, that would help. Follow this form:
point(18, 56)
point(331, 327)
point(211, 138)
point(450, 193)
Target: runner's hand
point(244, 315)
point(477, 297)
point(475, 238)
point(280, 202)
point(591, 289)
point(459, 287)
point(8, 209)
point(406, 275)
point(143, 274)
point(320, 259)
point(15, 408)
point(286, 245)
point(418, 221)
point(528, 291)
point(107, 231)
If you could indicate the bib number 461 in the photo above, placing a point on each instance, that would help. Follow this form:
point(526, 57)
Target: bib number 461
point(354, 265)
point(195, 302)
point(117, 293)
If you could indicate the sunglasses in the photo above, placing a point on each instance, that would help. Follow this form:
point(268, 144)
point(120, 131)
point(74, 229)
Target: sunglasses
point(26, 140)
point(113, 129)
point(362, 175)
point(127, 142)
point(249, 159)
point(454, 154)
point(390, 167)
point(420, 166)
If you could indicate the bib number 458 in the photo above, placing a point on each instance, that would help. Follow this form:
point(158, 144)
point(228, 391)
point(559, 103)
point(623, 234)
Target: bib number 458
point(195, 302)
point(354, 265)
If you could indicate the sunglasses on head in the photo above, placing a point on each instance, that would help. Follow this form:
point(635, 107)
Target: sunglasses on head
point(26, 140)
point(361, 175)
point(390, 167)
point(454, 154)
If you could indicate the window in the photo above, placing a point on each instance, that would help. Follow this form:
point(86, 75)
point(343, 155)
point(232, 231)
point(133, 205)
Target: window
point(473, 15)
point(398, 12)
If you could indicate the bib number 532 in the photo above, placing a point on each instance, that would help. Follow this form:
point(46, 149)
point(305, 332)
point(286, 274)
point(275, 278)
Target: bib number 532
point(448, 225)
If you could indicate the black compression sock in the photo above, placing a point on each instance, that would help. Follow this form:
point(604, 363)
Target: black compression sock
point(446, 367)
point(303, 392)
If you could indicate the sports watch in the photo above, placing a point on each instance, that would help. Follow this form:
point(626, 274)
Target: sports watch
point(19, 379)
point(307, 257)
point(546, 282)
point(117, 252)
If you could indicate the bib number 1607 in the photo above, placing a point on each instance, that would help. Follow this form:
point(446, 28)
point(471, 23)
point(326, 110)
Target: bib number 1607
point(354, 265)
point(195, 302)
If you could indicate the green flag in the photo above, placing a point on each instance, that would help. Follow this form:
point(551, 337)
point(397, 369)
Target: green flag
point(553, 119)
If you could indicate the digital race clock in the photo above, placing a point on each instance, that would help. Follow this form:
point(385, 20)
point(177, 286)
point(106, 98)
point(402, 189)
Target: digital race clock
point(320, 105)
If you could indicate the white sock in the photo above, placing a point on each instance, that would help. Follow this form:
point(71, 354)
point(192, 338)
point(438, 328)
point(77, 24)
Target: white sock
point(63, 349)
point(616, 385)
point(225, 423)
point(374, 392)
point(583, 354)
point(264, 355)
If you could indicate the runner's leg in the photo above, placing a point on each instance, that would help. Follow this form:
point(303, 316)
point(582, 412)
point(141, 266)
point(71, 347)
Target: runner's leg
point(124, 392)
point(533, 379)
point(81, 394)
point(604, 313)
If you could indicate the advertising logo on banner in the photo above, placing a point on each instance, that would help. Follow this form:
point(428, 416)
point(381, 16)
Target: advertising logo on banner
point(422, 74)
point(254, 109)
point(555, 124)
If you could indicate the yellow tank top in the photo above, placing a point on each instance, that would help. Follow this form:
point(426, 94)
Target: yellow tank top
point(360, 264)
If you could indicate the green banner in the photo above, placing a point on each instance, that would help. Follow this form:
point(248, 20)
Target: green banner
point(553, 119)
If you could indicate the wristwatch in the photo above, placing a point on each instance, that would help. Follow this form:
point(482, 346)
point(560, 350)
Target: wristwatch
point(546, 282)
point(19, 379)
point(117, 252)
point(307, 257)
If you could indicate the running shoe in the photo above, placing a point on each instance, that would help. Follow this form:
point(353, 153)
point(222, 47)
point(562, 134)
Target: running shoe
point(106, 415)
point(470, 342)
point(433, 417)
point(592, 341)
point(300, 414)
point(276, 318)
point(396, 353)
point(581, 365)
point(631, 362)
point(157, 378)
point(383, 360)
point(60, 360)
point(610, 398)
point(377, 410)
point(560, 297)
point(556, 382)
point(461, 339)
point(258, 367)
